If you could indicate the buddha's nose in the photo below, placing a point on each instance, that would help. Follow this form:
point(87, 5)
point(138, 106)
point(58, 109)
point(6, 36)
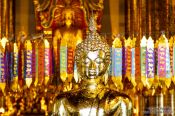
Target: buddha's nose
point(92, 66)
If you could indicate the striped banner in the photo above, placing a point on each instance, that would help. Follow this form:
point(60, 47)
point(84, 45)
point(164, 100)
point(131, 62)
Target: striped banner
point(2, 67)
point(161, 61)
point(117, 60)
point(150, 62)
point(168, 70)
point(133, 62)
point(28, 59)
point(15, 61)
point(63, 62)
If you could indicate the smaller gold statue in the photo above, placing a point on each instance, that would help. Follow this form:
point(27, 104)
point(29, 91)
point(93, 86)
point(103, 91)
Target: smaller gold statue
point(93, 97)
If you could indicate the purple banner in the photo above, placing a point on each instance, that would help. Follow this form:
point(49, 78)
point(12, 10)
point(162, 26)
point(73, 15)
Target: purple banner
point(150, 62)
point(161, 61)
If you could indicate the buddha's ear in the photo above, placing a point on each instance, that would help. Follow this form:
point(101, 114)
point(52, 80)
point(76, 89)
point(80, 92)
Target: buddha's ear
point(106, 75)
point(76, 75)
point(106, 78)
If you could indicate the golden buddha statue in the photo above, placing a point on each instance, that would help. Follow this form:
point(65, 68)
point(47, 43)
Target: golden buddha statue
point(93, 97)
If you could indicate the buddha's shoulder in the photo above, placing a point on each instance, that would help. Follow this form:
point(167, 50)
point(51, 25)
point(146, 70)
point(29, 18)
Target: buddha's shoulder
point(67, 95)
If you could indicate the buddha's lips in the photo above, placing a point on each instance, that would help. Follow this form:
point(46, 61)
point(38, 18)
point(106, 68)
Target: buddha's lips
point(92, 73)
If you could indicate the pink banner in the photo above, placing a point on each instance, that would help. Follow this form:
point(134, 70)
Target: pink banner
point(162, 61)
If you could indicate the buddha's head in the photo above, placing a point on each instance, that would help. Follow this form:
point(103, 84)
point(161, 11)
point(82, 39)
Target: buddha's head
point(68, 16)
point(92, 56)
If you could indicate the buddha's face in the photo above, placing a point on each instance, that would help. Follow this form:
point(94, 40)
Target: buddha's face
point(68, 17)
point(93, 64)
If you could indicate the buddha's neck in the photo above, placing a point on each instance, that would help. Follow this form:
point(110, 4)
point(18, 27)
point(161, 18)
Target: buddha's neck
point(92, 88)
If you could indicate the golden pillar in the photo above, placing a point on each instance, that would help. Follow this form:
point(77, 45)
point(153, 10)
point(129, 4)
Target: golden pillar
point(117, 16)
point(6, 18)
point(134, 18)
point(127, 18)
point(167, 17)
point(149, 9)
point(172, 17)
point(142, 18)
point(11, 21)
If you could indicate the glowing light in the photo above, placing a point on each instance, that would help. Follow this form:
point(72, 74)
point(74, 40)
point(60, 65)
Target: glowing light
point(93, 55)
point(15, 47)
point(28, 45)
point(92, 87)
point(143, 42)
point(46, 43)
point(128, 42)
point(3, 42)
point(123, 105)
point(116, 43)
point(28, 82)
point(62, 110)
point(150, 42)
point(2, 110)
point(91, 112)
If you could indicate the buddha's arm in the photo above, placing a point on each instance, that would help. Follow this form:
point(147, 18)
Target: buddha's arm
point(121, 105)
point(59, 108)
point(62, 107)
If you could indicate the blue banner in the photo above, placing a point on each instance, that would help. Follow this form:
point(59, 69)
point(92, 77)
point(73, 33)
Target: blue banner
point(133, 62)
point(117, 62)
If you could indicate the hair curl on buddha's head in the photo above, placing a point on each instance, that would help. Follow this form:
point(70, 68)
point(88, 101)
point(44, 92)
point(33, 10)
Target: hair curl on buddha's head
point(91, 45)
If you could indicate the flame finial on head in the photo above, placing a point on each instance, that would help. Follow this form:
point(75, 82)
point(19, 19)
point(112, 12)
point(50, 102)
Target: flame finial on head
point(92, 29)
point(92, 24)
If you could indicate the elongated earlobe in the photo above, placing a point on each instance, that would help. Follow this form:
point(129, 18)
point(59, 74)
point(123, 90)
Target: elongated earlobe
point(106, 75)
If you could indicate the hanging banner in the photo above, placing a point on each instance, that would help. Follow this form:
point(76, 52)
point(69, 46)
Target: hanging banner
point(128, 57)
point(28, 63)
point(143, 56)
point(150, 58)
point(63, 62)
point(28, 59)
point(171, 55)
point(47, 58)
point(70, 63)
point(33, 60)
point(15, 60)
point(117, 62)
point(133, 62)
point(168, 70)
point(110, 67)
point(41, 66)
point(3, 42)
point(161, 60)
point(2, 67)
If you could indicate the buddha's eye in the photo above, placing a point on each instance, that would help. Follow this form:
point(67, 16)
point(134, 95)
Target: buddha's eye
point(86, 61)
point(98, 60)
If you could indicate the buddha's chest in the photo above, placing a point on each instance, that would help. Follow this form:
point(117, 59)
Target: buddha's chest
point(89, 107)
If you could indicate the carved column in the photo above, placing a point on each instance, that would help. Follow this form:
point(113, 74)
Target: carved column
point(6, 18)
point(149, 9)
point(127, 18)
point(11, 19)
point(172, 17)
